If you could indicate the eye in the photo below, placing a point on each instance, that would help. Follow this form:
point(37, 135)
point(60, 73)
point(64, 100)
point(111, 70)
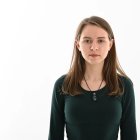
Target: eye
point(101, 41)
point(88, 41)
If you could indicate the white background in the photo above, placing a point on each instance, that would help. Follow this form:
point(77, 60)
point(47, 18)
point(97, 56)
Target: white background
point(36, 43)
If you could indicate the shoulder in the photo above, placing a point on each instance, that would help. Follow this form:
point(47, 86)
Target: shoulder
point(57, 96)
point(128, 88)
point(126, 81)
point(58, 83)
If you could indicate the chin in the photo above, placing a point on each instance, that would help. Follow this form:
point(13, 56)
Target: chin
point(96, 62)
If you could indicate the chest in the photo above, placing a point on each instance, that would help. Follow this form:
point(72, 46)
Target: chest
point(82, 109)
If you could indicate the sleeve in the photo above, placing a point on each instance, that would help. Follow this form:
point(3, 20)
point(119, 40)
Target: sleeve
point(56, 130)
point(128, 121)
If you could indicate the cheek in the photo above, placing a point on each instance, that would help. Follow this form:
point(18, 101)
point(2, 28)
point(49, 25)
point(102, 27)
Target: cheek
point(84, 52)
point(104, 52)
point(83, 49)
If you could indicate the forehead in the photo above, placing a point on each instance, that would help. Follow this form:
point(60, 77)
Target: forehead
point(93, 31)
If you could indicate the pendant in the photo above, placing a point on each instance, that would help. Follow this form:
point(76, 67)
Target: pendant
point(94, 97)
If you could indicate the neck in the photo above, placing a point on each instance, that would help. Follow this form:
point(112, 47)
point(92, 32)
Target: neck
point(94, 72)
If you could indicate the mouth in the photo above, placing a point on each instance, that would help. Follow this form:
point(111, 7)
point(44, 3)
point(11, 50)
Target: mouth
point(94, 55)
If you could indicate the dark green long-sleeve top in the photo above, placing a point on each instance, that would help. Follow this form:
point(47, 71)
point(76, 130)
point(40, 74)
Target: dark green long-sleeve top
point(86, 119)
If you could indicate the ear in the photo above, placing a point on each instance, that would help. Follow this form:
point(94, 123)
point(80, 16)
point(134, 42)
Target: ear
point(111, 43)
point(77, 45)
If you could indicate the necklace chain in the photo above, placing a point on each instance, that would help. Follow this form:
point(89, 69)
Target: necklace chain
point(88, 85)
point(94, 94)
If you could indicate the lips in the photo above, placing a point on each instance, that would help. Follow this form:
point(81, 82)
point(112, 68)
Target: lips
point(93, 55)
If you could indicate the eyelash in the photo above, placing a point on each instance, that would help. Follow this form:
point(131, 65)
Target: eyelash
point(87, 41)
point(90, 41)
point(100, 41)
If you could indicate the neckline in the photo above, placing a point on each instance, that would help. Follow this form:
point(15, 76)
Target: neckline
point(94, 91)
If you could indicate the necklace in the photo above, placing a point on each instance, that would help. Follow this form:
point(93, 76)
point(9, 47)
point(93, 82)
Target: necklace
point(94, 97)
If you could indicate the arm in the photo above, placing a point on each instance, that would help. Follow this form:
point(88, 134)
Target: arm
point(56, 131)
point(128, 121)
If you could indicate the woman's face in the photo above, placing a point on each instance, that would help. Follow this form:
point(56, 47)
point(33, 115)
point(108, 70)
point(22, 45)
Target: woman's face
point(94, 44)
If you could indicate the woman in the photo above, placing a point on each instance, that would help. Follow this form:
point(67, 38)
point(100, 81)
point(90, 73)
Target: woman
point(95, 98)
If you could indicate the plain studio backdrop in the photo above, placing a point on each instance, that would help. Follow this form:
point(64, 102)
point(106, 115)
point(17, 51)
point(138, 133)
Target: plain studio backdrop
point(36, 43)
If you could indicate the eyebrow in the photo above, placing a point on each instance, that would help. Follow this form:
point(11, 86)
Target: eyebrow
point(101, 37)
point(87, 37)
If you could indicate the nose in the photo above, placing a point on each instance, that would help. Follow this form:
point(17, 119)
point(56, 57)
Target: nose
point(94, 47)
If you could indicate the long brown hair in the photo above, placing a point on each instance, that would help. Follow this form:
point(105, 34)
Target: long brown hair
point(112, 70)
